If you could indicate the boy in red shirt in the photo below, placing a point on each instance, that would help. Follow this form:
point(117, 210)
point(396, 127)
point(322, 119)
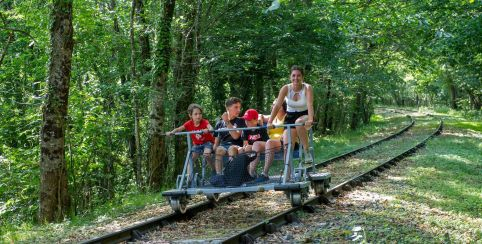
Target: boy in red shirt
point(203, 143)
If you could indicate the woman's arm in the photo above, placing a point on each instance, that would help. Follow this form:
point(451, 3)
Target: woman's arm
point(309, 103)
point(263, 119)
point(279, 102)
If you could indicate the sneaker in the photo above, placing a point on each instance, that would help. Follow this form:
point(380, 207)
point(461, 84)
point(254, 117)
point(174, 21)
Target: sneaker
point(254, 176)
point(217, 181)
point(308, 158)
point(261, 178)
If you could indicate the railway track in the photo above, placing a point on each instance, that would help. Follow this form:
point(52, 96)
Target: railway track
point(272, 224)
point(136, 232)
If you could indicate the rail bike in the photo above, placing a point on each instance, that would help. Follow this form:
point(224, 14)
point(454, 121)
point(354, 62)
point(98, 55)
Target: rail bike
point(295, 179)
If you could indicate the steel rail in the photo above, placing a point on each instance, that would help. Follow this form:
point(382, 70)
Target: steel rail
point(136, 232)
point(272, 224)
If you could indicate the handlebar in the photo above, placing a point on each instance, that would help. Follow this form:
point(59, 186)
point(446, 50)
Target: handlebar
point(243, 128)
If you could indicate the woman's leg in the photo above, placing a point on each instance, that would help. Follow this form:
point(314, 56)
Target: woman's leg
point(303, 133)
point(271, 147)
point(294, 138)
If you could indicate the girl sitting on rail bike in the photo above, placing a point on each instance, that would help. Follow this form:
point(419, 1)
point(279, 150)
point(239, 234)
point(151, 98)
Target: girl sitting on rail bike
point(203, 142)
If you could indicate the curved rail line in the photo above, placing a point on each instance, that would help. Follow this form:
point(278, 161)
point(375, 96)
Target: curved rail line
point(136, 232)
point(272, 224)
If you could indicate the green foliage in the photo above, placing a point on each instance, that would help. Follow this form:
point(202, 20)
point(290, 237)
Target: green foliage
point(356, 54)
point(120, 207)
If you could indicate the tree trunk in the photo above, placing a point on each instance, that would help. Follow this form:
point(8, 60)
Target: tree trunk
point(5, 48)
point(474, 100)
point(367, 108)
point(144, 43)
point(185, 73)
point(157, 148)
point(218, 91)
point(326, 107)
point(107, 182)
point(355, 116)
point(259, 86)
point(54, 196)
point(135, 100)
point(452, 90)
point(453, 95)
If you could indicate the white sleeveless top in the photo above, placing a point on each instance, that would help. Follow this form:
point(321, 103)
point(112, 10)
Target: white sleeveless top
point(296, 106)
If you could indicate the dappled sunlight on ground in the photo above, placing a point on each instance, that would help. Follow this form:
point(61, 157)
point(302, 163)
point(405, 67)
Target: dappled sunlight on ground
point(368, 197)
point(465, 134)
point(433, 196)
point(396, 178)
point(453, 157)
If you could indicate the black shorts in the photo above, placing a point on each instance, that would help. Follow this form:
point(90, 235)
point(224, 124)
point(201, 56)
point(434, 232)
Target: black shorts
point(291, 117)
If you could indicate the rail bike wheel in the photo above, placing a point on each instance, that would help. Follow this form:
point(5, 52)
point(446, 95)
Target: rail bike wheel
point(213, 197)
point(178, 204)
point(319, 187)
point(296, 198)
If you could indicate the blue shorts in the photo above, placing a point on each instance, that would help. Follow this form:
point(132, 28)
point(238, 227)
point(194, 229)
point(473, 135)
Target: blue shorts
point(225, 145)
point(199, 149)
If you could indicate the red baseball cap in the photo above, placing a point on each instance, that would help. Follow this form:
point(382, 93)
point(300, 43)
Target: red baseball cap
point(250, 114)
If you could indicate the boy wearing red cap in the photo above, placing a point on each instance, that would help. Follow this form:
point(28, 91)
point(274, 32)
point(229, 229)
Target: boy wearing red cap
point(251, 117)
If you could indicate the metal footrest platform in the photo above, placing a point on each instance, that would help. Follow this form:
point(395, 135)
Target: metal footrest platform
point(174, 192)
point(292, 186)
point(320, 176)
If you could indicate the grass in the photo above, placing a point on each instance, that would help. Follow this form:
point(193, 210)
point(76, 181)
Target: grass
point(381, 126)
point(122, 207)
point(434, 196)
point(328, 146)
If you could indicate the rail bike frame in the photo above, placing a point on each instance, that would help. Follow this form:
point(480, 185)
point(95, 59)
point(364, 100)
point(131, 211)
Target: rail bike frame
point(188, 183)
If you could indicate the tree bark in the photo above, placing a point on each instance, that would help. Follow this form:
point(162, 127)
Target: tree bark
point(144, 43)
point(54, 196)
point(357, 106)
point(326, 107)
point(475, 101)
point(107, 181)
point(5, 48)
point(157, 148)
point(135, 100)
point(453, 95)
point(452, 90)
point(185, 73)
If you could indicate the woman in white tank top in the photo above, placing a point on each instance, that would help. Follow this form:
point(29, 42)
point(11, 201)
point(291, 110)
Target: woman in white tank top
point(299, 99)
